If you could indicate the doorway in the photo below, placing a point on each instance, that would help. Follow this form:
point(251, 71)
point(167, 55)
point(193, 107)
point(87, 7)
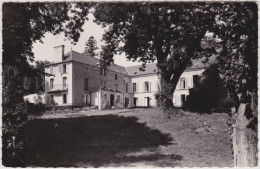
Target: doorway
point(183, 99)
point(126, 102)
point(147, 101)
point(135, 101)
point(112, 99)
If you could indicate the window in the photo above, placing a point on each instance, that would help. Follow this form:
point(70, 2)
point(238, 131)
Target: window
point(116, 86)
point(118, 99)
point(51, 83)
point(105, 85)
point(103, 71)
point(86, 99)
point(146, 86)
point(115, 76)
point(126, 87)
point(64, 82)
point(51, 70)
point(64, 98)
point(195, 80)
point(87, 69)
point(134, 87)
point(182, 83)
point(52, 99)
point(86, 84)
point(101, 84)
point(64, 68)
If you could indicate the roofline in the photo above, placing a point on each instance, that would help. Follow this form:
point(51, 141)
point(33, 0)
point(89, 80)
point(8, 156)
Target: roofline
point(194, 68)
point(143, 74)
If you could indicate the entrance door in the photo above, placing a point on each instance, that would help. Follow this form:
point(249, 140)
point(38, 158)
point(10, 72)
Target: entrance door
point(135, 101)
point(126, 102)
point(183, 99)
point(112, 98)
point(86, 99)
point(147, 101)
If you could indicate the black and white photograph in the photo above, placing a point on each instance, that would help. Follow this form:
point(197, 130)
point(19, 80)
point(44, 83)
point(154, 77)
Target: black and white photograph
point(95, 84)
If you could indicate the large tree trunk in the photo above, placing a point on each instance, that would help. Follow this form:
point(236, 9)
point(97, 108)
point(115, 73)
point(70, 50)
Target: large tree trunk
point(245, 135)
point(168, 83)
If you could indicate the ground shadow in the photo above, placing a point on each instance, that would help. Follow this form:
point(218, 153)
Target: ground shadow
point(96, 140)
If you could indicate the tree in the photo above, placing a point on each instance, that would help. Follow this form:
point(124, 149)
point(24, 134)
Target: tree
point(208, 92)
point(91, 47)
point(35, 83)
point(236, 28)
point(23, 24)
point(167, 32)
point(172, 34)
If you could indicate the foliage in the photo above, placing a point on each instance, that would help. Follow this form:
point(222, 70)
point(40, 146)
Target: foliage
point(34, 83)
point(209, 92)
point(167, 32)
point(34, 109)
point(91, 47)
point(236, 28)
point(24, 24)
point(13, 116)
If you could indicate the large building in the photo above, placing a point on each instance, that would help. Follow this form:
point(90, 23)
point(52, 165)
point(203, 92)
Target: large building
point(78, 79)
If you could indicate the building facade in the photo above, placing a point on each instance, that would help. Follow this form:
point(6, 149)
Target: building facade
point(77, 79)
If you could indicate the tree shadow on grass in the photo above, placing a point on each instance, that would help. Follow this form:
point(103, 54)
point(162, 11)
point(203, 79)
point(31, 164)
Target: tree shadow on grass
point(95, 140)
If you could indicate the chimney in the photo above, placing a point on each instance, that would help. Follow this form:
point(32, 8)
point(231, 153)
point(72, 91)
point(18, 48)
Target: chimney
point(59, 53)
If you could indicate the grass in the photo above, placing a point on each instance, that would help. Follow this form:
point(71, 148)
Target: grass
point(146, 137)
point(201, 139)
point(91, 141)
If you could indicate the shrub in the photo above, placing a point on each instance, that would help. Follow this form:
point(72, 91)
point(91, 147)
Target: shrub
point(34, 109)
point(209, 93)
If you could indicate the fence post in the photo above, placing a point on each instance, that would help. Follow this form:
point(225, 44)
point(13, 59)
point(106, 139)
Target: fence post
point(244, 142)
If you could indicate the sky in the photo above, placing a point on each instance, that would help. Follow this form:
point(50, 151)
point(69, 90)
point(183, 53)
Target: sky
point(43, 51)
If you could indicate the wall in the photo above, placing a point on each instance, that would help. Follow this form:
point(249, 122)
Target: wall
point(58, 82)
point(188, 75)
point(80, 73)
point(35, 98)
point(141, 94)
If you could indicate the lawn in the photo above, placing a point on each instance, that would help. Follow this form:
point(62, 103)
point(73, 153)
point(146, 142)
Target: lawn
point(202, 140)
point(139, 138)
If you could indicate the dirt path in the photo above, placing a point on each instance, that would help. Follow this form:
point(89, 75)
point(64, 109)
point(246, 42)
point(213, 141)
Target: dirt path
point(82, 113)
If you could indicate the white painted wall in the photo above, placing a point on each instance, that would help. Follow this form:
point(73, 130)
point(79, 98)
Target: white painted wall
point(35, 98)
point(58, 82)
point(141, 94)
point(188, 75)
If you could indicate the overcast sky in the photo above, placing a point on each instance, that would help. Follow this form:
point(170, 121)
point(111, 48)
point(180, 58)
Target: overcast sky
point(43, 51)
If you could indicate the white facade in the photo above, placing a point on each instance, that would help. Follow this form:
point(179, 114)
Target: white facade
point(59, 86)
point(146, 88)
point(185, 83)
point(119, 87)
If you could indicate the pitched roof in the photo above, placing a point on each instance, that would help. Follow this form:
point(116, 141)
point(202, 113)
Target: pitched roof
point(130, 70)
point(152, 68)
point(79, 57)
point(135, 71)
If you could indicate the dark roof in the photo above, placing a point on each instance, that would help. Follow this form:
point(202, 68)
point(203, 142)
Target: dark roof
point(152, 68)
point(79, 57)
point(130, 70)
point(134, 70)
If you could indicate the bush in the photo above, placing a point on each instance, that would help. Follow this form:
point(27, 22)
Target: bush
point(209, 94)
point(34, 109)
